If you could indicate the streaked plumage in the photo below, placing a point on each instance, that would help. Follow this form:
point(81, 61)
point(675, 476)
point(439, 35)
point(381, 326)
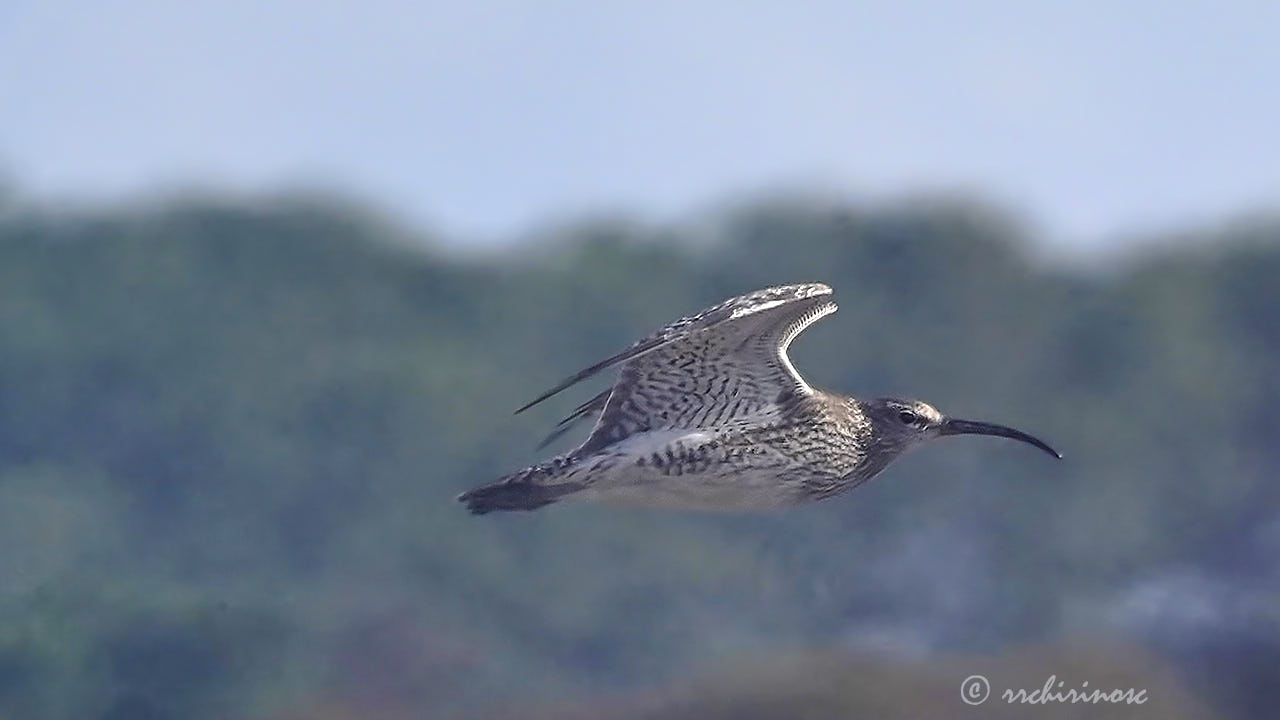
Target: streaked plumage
point(709, 413)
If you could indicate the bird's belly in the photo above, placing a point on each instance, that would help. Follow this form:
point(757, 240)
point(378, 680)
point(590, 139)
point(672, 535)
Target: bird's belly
point(692, 471)
point(743, 491)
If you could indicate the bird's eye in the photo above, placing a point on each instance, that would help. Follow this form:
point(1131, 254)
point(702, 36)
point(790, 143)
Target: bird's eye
point(907, 417)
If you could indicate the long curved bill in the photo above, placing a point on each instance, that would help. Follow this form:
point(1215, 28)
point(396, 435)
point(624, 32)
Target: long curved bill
point(952, 426)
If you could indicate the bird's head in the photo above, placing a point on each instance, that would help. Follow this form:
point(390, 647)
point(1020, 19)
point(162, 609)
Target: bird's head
point(899, 425)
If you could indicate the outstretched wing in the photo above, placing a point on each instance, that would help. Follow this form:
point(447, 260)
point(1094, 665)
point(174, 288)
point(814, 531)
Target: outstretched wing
point(725, 362)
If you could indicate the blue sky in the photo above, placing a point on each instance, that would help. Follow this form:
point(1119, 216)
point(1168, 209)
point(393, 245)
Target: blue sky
point(481, 118)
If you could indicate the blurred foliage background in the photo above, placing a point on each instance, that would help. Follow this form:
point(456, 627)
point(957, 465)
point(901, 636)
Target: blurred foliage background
point(231, 433)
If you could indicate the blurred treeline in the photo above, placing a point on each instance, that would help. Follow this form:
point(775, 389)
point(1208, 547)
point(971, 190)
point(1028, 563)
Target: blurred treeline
point(231, 433)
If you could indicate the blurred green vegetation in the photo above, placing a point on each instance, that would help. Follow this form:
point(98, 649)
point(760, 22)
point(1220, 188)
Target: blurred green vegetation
point(231, 433)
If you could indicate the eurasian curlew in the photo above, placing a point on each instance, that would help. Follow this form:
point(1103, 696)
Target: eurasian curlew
point(709, 413)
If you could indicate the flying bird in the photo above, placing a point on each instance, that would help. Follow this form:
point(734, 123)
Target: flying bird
point(708, 413)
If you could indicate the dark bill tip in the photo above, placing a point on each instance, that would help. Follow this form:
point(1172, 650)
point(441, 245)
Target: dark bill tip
point(952, 426)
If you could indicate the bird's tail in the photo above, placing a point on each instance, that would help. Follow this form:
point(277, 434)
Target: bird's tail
point(528, 489)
